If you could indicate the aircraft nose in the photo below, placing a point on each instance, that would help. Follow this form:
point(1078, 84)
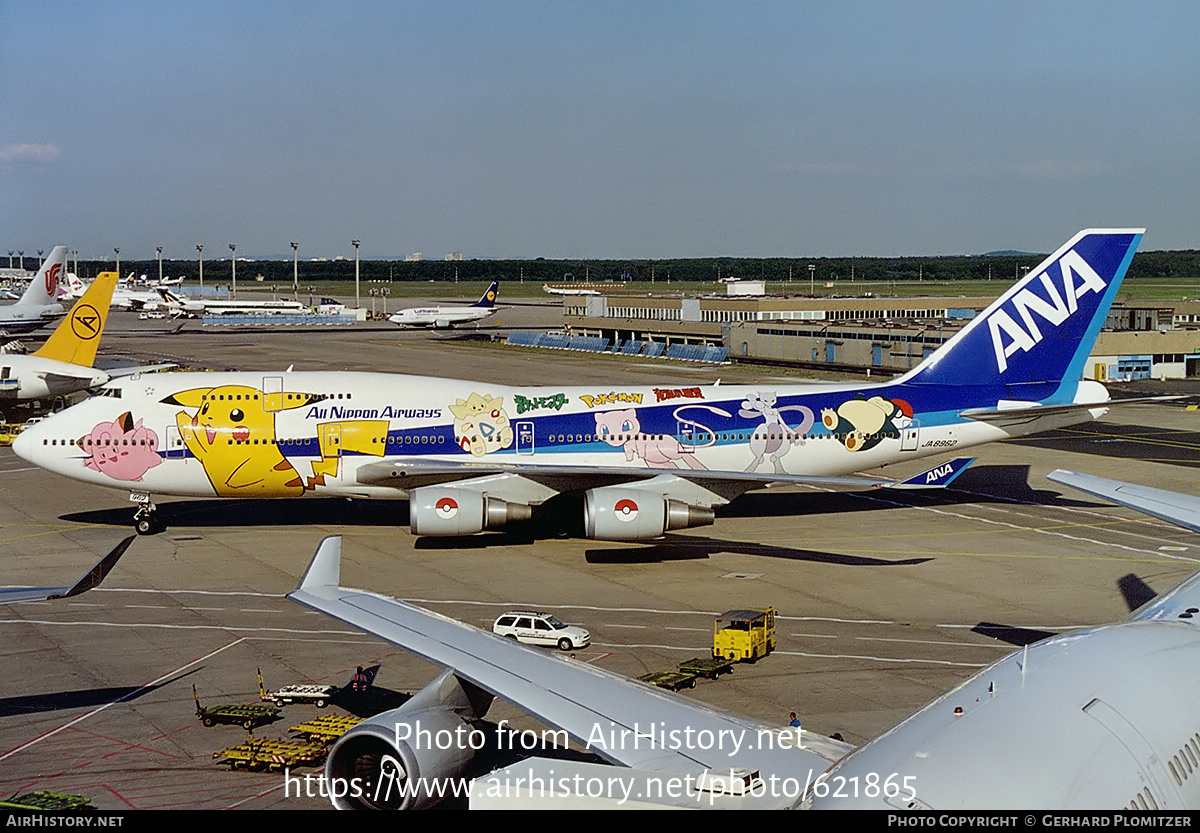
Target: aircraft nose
point(23, 444)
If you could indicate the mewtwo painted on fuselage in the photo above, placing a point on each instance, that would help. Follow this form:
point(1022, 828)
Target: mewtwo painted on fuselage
point(471, 455)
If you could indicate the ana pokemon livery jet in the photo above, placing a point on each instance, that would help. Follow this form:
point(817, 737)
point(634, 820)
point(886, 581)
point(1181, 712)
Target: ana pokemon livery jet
point(471, 456)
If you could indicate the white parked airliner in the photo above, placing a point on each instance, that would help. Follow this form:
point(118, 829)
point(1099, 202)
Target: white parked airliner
point(451, 315)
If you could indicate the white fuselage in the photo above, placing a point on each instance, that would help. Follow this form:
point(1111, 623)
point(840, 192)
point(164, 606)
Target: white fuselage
point(34, 377)
point(290, 434)
point(1085, 721)
point(439, 316)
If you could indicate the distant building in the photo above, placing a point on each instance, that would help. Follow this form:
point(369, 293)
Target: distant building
point(888, 335)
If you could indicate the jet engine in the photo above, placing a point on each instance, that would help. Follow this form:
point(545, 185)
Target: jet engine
point(405, 759)
point(451, 510)
point(621, 513)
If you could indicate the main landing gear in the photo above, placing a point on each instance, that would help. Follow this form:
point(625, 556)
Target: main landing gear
point(146, 520)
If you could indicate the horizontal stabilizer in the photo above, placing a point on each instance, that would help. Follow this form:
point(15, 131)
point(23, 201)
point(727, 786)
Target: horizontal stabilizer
point(1022, 411)
point(937, 477)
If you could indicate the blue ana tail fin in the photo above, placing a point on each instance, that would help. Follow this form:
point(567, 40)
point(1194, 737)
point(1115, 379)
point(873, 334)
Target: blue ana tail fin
point(1040, 332)
point(488, 299)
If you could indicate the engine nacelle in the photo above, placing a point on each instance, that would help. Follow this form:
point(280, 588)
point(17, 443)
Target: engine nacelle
point(404, 759)
point(454, 510)
point(621, 513)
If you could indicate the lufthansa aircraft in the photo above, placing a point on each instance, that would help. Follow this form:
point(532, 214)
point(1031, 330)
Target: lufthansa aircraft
point(1096, 719)
point(471, 456)
point(37, 305)
point(449, 316)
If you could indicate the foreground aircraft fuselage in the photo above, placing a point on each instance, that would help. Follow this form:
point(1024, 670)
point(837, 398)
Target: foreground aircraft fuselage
point(475, 455)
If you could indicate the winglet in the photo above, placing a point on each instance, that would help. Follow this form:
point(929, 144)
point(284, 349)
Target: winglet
point(326, 566)
point(94, 576)
point(938, 476)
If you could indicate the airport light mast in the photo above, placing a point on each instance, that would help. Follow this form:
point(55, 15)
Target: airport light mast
point(233, 264)
point(295, 269)
point(200, 255)
point(158, 250)
point(117, 252)
point(355, 243)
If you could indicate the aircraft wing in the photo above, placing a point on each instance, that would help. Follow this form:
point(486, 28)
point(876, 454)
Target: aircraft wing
point(1183, 603)
point(599, 709)
point(1183, 510)
point(403, 472)
point(117, 372)
point(87, 581)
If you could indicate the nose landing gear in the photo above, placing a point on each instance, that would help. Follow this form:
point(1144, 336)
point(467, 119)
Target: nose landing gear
point(146, 520)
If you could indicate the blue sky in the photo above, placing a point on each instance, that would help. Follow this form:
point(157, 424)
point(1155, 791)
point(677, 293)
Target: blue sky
point(606, 129)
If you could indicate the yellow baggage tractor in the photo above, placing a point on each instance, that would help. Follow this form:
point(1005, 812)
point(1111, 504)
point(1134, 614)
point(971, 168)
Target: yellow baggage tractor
point(744, 635)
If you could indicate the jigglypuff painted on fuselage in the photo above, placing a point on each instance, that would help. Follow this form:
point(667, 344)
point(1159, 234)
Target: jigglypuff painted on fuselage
point(233, 437)
point(862, 423)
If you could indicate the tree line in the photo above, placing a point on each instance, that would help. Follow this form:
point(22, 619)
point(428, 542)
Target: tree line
point(999, 267)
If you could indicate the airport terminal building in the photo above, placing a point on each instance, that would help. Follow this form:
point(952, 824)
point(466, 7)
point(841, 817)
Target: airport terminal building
point(889, 335)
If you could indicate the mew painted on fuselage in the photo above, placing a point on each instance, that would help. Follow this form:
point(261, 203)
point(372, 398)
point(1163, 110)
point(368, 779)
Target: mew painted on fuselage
point(475, 455)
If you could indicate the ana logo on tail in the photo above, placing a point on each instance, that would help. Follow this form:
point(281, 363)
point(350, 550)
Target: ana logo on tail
point(1055, 308)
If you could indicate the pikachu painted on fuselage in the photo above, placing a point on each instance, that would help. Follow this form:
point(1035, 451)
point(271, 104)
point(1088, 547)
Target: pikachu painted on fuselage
point(232, 434)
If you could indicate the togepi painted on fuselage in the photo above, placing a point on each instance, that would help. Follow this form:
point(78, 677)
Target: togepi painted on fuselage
point(299, 433)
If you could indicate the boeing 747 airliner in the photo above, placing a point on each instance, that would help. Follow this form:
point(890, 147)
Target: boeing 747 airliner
point(471, 456)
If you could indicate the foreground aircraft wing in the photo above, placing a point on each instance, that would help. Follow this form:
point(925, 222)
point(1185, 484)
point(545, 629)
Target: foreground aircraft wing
point(601, 710)
point(1183, 510)
point(1182, 603)
point(87, 581)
